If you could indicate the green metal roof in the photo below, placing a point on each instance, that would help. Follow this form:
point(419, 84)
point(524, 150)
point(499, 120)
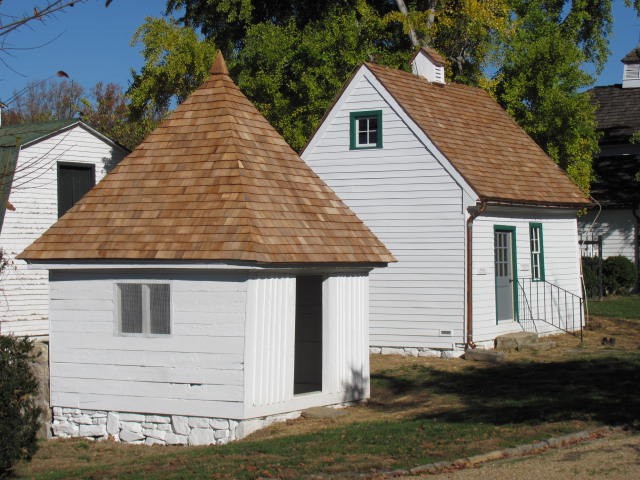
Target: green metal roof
point(22, 134)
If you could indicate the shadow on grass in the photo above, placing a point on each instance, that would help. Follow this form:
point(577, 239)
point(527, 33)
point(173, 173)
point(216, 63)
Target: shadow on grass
point(605, 390)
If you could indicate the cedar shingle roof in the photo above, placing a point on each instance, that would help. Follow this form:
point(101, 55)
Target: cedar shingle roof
point(213, 182)
point(491, 152)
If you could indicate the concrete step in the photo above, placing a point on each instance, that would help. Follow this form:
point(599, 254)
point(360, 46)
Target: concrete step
point(516, 341)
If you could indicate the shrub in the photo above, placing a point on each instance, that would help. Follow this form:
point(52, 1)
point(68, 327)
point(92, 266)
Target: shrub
point(19, 414)
point(590, 267)
point(619, 275)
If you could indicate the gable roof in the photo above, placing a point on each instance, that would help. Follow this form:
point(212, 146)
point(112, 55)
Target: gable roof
point(213, 182)
point(617, 110)
point(28, 132)
point(491, 152)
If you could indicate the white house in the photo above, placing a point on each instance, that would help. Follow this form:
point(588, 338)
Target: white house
point(481, 220)
point(617, 217)
point(210, 284)
point(49, 167)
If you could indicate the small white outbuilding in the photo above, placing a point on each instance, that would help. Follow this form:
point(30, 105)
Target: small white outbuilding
point(47, 167)
point(210, 284)
point(481, 220)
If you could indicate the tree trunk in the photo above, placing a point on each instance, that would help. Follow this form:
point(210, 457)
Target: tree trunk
point(412, 33)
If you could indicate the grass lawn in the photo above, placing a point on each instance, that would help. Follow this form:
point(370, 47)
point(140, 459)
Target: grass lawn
point(421, 410)
point(617, 307)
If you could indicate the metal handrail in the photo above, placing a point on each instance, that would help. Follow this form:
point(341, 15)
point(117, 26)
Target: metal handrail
point(528, 319)
point(553, 305)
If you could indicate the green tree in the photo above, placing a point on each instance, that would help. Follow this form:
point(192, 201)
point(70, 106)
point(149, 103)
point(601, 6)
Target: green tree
point(19, 413)
point(176, 63)
point(109, 113)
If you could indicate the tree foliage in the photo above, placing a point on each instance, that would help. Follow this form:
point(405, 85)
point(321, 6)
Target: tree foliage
point(42, 101)
point(291, 58)
point(19, 413)
point(176, 63)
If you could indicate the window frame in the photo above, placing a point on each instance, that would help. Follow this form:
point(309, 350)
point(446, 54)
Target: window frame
point(146, 309)
point(353, 129)
point(533, 227)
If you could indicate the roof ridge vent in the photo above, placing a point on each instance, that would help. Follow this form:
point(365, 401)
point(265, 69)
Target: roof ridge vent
point(429, 64)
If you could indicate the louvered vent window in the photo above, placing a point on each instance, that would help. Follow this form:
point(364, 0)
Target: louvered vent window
point(144, 308)
point(632, 71)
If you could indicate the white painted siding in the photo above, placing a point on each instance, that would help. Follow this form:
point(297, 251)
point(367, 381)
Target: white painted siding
point(617, 227)
point(346, 336)
point(271, 312)
point(197, 370)
point(414, 206)
point(271, 336)
point(34, 194)
point(561, 261)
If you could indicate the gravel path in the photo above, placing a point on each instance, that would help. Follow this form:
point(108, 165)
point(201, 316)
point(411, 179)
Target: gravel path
point(614, 457)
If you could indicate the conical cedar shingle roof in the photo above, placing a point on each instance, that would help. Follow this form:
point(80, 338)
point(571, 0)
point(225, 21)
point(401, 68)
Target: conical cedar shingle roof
point(213, 182)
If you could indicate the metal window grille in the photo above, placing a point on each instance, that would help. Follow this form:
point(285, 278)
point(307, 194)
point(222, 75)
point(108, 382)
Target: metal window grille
point(159, 308)
point(145, 308)
point(130, 308)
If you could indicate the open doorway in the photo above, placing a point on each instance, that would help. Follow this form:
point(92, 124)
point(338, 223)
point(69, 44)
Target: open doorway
point(307, 371)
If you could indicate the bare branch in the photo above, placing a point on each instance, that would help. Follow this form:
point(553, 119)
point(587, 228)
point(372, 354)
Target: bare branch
point(38, 13)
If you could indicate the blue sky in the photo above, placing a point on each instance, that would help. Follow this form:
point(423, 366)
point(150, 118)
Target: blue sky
point(92, 43)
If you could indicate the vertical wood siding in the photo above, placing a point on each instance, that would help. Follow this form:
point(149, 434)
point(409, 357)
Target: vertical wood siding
point(271, 335)
point(196, 370)
point(346, 336)
point(617, 227)
point(415, 208)
point(34, 194)
point(561, 261)
point(270, 339)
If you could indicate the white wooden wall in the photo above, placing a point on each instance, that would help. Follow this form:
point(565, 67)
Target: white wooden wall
point(561, 261)
point(617, 227)
point(415, 208)
point(34, 194)
point(271, 337)
point(197, 370)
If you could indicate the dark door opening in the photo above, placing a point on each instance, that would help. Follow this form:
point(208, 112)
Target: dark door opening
point(307, 370)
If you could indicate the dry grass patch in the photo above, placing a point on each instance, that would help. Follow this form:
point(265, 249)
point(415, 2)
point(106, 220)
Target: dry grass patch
point(421, 410)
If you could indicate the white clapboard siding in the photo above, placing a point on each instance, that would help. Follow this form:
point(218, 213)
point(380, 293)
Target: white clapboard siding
point(618, 230)
point(561, 260)
point(415, 208)
point(34, 194)
point(186, 372)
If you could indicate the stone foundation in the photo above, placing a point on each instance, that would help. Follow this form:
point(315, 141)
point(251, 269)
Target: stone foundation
point(153, 429)
point(418, 351)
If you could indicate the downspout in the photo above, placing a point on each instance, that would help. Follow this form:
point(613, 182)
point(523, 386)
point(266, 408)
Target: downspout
point(474, 211)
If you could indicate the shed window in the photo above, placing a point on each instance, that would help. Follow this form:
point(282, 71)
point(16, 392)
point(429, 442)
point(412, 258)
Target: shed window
point(366, 129)
point(537, 251)
point(144, 308)
point(74, 180)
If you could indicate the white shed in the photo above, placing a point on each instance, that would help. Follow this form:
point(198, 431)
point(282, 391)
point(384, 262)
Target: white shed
point(481, 220)
point(49, 166)
point(209, 285)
